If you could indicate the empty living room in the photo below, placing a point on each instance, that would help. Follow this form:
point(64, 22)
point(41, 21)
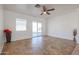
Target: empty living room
point(39, 29)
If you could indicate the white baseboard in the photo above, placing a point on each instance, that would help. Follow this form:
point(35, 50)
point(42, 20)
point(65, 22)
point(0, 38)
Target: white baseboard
point(60, 37)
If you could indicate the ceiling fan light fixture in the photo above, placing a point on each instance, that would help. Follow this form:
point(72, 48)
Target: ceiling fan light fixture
point(44, 12)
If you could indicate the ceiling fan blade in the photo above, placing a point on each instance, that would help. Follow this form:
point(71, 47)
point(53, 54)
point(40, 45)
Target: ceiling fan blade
point(44, 8)
point(51, 9)
point(48, 13)
point(41, 14)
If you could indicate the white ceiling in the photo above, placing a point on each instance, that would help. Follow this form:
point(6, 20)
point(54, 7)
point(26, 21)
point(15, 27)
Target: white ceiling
point(29, 9)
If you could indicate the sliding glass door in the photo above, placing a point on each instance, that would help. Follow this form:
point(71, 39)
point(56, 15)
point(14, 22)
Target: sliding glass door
point(39, 29)
point(36, 28)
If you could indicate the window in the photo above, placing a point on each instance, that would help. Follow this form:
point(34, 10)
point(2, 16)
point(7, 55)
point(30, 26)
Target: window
point(20, 24)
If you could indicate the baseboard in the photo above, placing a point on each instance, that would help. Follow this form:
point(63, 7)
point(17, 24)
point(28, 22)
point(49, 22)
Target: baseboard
point(77, 39)
point(33, 37)
point(27, 38)
point(60, 37)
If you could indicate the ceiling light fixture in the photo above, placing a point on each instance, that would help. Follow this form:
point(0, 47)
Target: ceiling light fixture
point(37, 5)
point(44, 12)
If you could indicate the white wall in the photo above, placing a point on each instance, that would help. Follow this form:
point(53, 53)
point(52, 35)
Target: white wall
point(10, 22)
point(63, 26)
point(1, 28)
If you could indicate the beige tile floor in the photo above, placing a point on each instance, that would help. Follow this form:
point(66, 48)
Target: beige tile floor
point(43, 45)
point(76, 50)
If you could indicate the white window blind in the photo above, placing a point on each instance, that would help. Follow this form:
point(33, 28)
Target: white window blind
point(20, 24)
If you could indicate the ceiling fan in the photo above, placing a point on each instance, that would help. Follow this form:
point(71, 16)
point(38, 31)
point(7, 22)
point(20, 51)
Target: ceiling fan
point(45, 10)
